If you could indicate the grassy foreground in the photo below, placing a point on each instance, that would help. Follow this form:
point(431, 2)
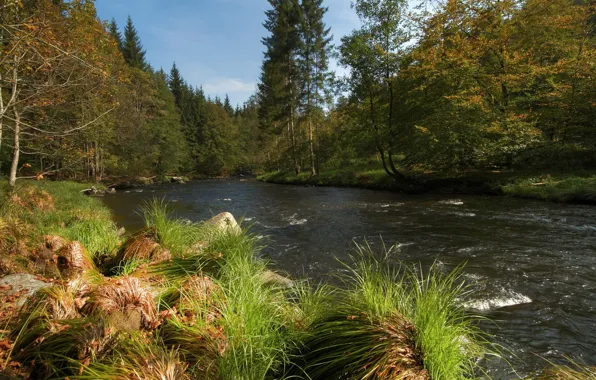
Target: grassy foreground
point(557, 187)
point(194, 301)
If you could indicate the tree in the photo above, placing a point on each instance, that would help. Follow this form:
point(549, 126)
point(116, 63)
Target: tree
point(115, 33)
point(374, 55)
point(176, 84)
point(314, 66)
point(132, 48)
point(228, 106)
point(280, 83)
point(43, 57)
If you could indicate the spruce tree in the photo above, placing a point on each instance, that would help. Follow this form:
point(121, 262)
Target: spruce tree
point(115, 33)
point(279, 87)
point(176, 84)
point(132, 47)
point(313, 64)
point(228, 106)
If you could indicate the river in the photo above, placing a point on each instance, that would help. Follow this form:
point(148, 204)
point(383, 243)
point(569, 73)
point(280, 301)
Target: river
point(532, 264)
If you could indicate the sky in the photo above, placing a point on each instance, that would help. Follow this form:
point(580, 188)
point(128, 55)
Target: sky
point(215, 43)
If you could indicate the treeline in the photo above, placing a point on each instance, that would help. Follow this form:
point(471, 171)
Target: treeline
point(448, 85)
point(79, 100)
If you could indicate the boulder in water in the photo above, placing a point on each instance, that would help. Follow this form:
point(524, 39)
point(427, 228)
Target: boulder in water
point(180, 180)
point(225, 222)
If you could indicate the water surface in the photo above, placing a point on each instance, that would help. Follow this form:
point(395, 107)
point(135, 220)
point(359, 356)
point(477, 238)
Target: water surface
point(532, 263)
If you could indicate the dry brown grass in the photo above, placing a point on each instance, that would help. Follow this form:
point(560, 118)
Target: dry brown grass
point(33, 199)
point(572, 372)
point(401, 360)
point(124, 295)
point(159, 366)
point(143, 246)
point(73, 260)
point(60, 303)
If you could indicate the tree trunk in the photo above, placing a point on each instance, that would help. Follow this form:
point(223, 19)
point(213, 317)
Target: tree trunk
point(16, 149)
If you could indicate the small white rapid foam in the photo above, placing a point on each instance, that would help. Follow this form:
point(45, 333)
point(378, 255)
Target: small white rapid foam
point(505, 299)
point(454, 202)
point(295, 221)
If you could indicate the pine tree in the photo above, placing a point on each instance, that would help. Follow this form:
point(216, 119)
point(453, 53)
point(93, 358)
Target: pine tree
point(132, 47)
point(279, 87)
point(228, 106)
point(176, 84)
point(115, 33)
point(314, 66)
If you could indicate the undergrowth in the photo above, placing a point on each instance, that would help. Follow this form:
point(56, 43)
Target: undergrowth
point(182, 300)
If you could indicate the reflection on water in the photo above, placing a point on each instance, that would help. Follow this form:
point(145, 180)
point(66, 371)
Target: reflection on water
point(531, 262)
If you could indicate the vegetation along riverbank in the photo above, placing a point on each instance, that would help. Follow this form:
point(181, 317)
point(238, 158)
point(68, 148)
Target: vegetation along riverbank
point(571, 187)
point(180, 300)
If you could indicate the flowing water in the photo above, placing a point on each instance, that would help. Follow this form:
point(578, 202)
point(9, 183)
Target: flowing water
point(531, 263)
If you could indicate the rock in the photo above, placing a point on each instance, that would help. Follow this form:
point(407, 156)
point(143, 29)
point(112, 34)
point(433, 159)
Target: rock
point(92, 191)
point(27, 284)
point(225, 222)
point(270, 277)
point(180, 180)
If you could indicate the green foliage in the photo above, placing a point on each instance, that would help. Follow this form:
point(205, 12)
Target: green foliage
point(394, 321)
point(132, 49)
point(59, 208)
point(559, 188)
point(172, 234)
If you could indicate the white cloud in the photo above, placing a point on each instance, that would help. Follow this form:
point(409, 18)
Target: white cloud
point(222, 86)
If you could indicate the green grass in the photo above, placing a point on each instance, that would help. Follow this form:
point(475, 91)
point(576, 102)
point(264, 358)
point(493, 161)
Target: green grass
point(391, 321)
point(59, 208)
point(219, 317)
point(172, 234)
point(572, 188)
point(365, 177)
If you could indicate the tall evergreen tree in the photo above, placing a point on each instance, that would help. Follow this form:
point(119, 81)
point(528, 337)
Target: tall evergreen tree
point(314, 66)
point(176, 84)
point(279, 87)
point(115, 33)
point(228, 106)
point(132, 47)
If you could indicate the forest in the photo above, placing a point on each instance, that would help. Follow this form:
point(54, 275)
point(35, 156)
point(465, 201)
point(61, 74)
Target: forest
point(444, 86)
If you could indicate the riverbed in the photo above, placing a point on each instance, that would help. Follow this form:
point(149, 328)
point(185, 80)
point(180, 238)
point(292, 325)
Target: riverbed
point(531, 264)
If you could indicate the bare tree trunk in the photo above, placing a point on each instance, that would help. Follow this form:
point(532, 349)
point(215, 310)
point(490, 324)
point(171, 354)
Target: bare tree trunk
point(313, 169)
point(16, 149)
point(293, 142)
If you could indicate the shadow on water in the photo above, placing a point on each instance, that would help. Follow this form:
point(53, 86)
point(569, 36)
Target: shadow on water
point(531, 262)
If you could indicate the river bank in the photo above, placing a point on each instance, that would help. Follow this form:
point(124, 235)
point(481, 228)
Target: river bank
point(193, 300)
point(197, 299)
point(579, 188)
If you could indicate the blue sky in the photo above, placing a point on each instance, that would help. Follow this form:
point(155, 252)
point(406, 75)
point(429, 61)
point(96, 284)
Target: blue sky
point(215, 43)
